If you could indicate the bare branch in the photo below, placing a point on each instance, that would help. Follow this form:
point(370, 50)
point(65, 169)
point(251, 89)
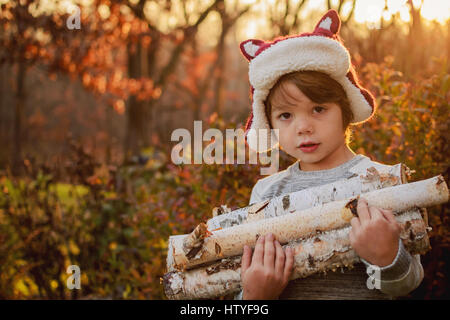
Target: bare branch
point(189, 33)
point(341, 2)
point(297, 14)
point(350, 14)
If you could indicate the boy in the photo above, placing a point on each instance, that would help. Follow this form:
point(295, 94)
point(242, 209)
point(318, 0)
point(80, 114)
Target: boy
point(305, 87)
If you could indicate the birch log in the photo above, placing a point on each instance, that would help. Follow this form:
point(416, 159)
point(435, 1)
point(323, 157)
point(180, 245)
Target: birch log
point(298, 224)
point(320, 252)
point(364, 179)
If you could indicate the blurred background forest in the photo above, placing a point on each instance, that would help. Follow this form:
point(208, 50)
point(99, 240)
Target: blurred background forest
point(86, 117)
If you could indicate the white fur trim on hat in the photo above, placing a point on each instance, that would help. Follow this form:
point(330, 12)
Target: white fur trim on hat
point(314, 53)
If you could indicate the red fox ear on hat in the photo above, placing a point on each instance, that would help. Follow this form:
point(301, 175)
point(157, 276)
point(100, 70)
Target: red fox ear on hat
point(250, 47)
point(329, 23)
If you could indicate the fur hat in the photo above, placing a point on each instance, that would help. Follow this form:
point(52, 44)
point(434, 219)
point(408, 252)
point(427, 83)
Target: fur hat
point(321, 50)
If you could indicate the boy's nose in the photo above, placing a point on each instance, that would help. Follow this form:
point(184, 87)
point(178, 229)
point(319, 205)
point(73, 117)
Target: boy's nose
point(304, 126)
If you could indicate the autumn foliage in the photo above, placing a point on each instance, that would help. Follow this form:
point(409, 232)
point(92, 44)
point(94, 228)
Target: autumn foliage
point(113, 218)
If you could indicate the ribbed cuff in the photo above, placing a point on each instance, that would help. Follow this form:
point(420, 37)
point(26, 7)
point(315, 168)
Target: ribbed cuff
point(398, 268)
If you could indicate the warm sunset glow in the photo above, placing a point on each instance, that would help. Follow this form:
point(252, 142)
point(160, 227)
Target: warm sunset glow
point(436, 10)
point(371, 11)
point(367, 12)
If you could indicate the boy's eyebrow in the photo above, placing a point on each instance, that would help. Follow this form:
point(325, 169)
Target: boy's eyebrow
point(289, 106)
point(282, 107)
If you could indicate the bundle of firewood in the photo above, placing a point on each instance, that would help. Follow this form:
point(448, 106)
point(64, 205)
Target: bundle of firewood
point(315, 222)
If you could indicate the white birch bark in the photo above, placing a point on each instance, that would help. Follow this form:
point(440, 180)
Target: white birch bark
point(301, 223)
point(367, 176)
point(322, 252)
point(363, 181)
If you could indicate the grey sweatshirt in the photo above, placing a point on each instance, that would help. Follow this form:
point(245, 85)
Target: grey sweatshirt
point(397, 279)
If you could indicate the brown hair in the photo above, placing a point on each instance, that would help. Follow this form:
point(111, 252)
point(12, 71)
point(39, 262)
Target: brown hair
point(320, 88)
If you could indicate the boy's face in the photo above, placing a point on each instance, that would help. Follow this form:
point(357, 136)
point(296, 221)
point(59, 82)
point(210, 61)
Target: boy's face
point(300, 120)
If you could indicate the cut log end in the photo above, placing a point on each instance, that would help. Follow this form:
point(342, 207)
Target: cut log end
point(352, 206)
point(192, 244)
point(440, 187)
point(406, 173)
point(173, 283)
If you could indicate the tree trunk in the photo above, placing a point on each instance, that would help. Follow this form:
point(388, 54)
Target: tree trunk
point(303, 223)
point(137, 111)
point(19, 117)
point(448, 45)
point(3, 123)
point(318, 253)
point(415, 39)
point(220, 80)
point(109, 134)
point(198, 98)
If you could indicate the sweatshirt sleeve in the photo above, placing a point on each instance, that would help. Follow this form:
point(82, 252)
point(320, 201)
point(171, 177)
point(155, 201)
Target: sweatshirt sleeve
point(255, 195)
point(402, 276)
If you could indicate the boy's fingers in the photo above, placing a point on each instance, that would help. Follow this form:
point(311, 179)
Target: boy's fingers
point(389, 215)
point(288, 264)
point(363, 211)
point(376, 213)
point(269, 251)
point(246, 259)
point(258, 254)
point(279, 259)
point(351, 237)
point(355, 223)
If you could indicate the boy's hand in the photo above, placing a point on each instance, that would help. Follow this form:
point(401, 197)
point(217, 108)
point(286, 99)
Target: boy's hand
point(375, 234)
point(266, 274)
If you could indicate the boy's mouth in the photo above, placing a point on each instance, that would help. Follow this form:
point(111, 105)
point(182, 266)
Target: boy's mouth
point(308, 146)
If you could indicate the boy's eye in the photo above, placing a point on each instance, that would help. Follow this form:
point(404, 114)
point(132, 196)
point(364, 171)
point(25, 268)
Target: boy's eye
point(285, 113)
point(321, 109)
